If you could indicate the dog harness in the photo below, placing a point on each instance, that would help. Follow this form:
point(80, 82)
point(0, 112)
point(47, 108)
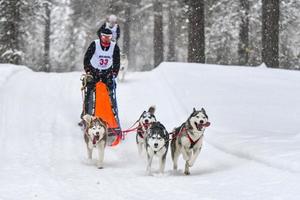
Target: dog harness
point(140, 132)
point(192, 141)
point(178, 131)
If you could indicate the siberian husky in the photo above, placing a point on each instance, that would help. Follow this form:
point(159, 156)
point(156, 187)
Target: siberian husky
point(95, 136)
point(187, 139)
point(144, 123)
point(157, 143)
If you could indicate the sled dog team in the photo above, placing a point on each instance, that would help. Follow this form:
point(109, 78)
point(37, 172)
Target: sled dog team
point(153, 138)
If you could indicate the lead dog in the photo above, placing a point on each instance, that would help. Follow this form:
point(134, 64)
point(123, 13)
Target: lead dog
point(157, 143)
point(188, 138)
point(144, 123)
point(95, 136)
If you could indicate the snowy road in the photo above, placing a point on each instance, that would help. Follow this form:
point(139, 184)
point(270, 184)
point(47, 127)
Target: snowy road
point(43, 154)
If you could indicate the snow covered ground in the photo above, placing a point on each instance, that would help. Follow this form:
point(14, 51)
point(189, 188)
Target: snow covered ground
point(251, 150)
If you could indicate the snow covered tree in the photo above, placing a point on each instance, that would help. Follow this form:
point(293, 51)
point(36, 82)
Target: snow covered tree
point(11, 20)
point(270, 32)
point(171, 31)
point(126, 31)
point(158, 37)
point(47, 33)
point(196, 48)
point(289, 41)
point(243, 49)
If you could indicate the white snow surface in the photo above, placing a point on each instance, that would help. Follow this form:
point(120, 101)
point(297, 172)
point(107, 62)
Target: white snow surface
point(250, 151)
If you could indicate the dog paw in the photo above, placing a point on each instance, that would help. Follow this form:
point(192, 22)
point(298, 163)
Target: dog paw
point(187, 173)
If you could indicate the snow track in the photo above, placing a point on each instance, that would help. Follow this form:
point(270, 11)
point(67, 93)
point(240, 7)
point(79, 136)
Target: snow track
point(43, 155)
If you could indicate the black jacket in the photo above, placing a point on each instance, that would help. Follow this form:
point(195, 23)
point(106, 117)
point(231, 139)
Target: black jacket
point(103, 27)
point(104, 74)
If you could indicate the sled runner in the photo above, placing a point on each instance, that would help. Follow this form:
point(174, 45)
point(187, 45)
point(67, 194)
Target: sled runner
point(104, 108)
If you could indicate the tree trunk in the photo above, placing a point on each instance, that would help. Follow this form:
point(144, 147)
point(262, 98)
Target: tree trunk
point(171, 33)
point(158, 33)
point(196, 43)
point(126, 32)
point(243, 48)
point(270, 33)
point(47, 34)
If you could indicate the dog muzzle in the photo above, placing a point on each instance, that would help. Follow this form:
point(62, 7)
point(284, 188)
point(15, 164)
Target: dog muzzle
point(200, 126)
point(95, 139)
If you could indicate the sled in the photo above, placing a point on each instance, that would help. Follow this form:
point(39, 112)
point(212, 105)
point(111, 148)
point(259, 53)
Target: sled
point(104, 110)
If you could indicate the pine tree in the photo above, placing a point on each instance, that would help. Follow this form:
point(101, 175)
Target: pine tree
point(270, 31)
point(158, 38)
point(196, 48)
point(171, 31)
point(243, 49)
point(10, 36)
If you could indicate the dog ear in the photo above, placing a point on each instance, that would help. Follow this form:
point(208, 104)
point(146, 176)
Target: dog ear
point(151, 110)
point(87, 118)
point(194, 109)
point(202, 110)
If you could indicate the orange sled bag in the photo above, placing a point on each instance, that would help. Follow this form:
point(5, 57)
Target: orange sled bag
point(104, 110)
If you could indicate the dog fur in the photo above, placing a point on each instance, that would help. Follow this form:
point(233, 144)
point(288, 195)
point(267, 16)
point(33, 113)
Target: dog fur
point(95, 136)
point(188, 138)
point(144, 123)
point(157, 143)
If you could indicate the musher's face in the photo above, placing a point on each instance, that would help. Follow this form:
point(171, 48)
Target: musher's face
point(105, 38)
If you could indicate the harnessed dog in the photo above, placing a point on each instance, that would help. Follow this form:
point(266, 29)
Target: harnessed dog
point(144, 123)
point(157, 143)
point(95, 136)
point(188, 138)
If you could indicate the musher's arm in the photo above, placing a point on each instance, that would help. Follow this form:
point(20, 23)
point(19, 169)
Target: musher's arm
point(116, 61)
point(87, 57)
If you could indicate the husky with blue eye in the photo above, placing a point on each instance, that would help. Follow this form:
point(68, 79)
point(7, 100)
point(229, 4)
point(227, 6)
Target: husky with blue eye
point(157, 143)
point(144, 123)
point(188, 138)
point(95, 136)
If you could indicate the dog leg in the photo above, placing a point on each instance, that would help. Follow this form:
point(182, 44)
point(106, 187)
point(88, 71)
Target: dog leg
point(149, 163)
point(185, 153)
point(89, 152)
point(194, 156)
point(175, 157)
point(101, 147)
point(162, 163)
point(140, 148)
point(187, 168)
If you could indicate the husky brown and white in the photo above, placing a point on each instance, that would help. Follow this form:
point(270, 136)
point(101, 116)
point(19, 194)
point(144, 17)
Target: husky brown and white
point(95, 136)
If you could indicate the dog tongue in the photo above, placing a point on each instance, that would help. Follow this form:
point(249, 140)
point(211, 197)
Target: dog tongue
point(207, 124)
point(95, 139)
point(200, 126)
